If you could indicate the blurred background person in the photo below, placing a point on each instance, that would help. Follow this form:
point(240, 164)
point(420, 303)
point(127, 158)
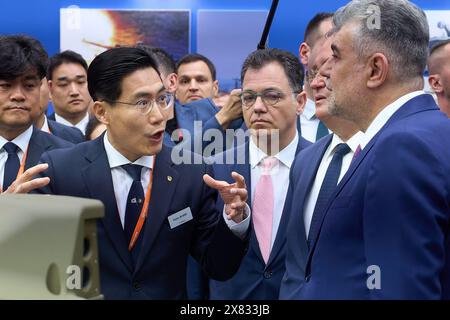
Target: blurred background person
point(439, 74)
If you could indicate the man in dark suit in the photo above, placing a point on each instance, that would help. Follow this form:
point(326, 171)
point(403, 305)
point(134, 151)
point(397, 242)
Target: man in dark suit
point(384, 232)
point(311, 172)
point(185, 129)
point(66, 75)
point(128, 168)
point(62, 131)
point(272, 100)
point(22, 67)
point(309, 124)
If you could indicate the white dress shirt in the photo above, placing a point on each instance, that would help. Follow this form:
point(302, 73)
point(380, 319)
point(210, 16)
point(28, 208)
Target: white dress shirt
point(311, 199)
point(121, 180)
point(45, 127)
point(122, 184)
point(309, 122)
point(279, 174)
point(383, 117)
point(80, 125)
point(22, 142)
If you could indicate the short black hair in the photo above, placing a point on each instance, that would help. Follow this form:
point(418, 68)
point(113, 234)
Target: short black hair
point(311, 32)
point(194, 57)
point(67, 56)
point(438, 44)
point(107, 70)
point(20, 53)
point(290, 63)
point(164, 60)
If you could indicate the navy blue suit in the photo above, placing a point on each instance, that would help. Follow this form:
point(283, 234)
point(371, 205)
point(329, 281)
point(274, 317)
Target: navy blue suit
point(302, 176)
point(391, 211)
point(41, 142)
point(254, 280)
point(160, 271)
point(67, 133)
point(202, 110)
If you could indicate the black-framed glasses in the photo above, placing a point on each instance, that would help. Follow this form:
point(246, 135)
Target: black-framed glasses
point(268, 97)
point(145, 105)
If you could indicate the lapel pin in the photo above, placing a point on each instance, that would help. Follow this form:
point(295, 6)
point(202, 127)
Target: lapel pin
point(169, 178)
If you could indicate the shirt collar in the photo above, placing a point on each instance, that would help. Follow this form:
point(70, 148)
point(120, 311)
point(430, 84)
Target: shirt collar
point(310, 110)
point(116, 159)
point(353, 142)
point(22, 140)
point(285, 156)
point(45, 127)
point(383, 117)
point(80, 125)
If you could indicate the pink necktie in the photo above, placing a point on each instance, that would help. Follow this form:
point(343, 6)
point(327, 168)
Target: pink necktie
point(263, 207)
point(357, 151)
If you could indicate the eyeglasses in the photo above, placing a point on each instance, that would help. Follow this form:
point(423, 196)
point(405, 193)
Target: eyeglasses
point(268, 97)
point(145, 106)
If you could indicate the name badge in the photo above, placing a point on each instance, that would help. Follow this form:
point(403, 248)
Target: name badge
point(180, 217)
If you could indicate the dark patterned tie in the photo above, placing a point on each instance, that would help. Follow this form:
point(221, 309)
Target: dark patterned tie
point(326, 190)
point(135, 199)
point(12, 164)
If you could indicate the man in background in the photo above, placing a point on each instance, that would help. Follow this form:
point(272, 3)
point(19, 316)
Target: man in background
point(62, 131)
point(310, 126)
point(67, 82)
point(439, 74)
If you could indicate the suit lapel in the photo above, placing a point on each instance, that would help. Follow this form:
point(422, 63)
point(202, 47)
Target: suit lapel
point(420, 103)
point(161, 197)
point(36, 147)
point(99, 182)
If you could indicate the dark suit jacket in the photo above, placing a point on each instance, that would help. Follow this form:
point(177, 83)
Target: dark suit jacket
point(67, 133)
point(254, 279)
point(41, 142)
point(160, 271)
point(390, 213)
point(302, 176)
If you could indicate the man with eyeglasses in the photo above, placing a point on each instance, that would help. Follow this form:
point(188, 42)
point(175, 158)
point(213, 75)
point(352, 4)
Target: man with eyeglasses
point(272, 99)
point(156, 212)
point(310, 181)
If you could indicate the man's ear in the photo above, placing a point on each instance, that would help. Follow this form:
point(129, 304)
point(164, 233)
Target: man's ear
point(301, 102)
point(303, 53)
point(101, 112)
point(435, 83)
point(216, 87)
point(172, 82)
point(377, 70)
point(50, 86)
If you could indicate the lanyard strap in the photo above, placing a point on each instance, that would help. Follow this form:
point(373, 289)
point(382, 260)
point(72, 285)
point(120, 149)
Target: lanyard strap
point(144, 211)
point(21, 168)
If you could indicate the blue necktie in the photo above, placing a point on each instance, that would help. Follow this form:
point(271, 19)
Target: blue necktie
point(326, 190)
point(322, 131)
point(135, 200)
point(11, 166)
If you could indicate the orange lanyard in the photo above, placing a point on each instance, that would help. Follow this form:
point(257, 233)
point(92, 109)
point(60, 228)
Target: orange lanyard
point(21, 168)
point(144, 213)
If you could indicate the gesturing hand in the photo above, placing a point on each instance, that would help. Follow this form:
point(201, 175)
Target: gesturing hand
point(233, 195)
point(25, 182)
